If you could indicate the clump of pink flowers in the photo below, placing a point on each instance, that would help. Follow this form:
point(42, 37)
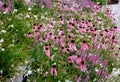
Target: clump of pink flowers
point(76, 41)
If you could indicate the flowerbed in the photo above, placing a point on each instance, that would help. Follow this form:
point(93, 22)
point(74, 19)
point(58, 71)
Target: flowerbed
point(65, 42)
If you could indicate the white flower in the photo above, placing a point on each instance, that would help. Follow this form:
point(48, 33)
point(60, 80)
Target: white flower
point(4, 12)
point(1, 71)
point(35, 16)
point(101, 65)
point(68, 80)
point(12, 65)
point(15, 10)
point(29, 9)
point(42, 6)
point(29, 72)
point(3, 49)
point(9, 19)
point(115, 72)
point(11, 26)
point(1, 23)
point(3, 31)
point(96, 69)
point(26, 62)
point(46, 13)
point(38, 70)
point(27, 16)
point(42, 17)
point(2, 40)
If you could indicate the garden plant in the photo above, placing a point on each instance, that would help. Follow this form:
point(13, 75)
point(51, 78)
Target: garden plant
point(57, 41)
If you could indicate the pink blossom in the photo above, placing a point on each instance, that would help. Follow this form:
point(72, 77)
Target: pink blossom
point(5, 8)
point(47, 51)
point(53, 71)
point(95, 31)
point(82, 65)
point(62, 43)
point(87, 78)
point(78, 78)
point(72, 46)
point(84, 46)
point(71, 25)
point(105, 63)
point(95, 39)
point(56, 40)
point(92, 58)
point(36, 1)
point(48, 3)
point(106, 74)
point(104, 45)
point(81, 29)
point(78, 60)
point(72, 58)
point(61, 32)
point(65, 50)
point(36, 33)
point(99, 72)
point(1, 3)
point(49, 35)
point(89, 23)
point(28, 2)
point(97, 46)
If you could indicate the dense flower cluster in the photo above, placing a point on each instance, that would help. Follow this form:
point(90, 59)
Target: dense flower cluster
point(78, 37)
point(67, 41)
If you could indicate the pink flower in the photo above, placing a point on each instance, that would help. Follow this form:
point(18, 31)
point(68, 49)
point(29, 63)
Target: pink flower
point(36, 33)
point(95, 39)
point(36, 1)
point(72, 58)
point(95, 31)
point(56, 40)
point(71, 25)
point(82, 30)
point(49, 35)
point(48, 3)
point(28, 2)
point(5, 8)
point(47, 51)
point(61, 32)
point(84, 46)
point(87, 78)
point(97, 46)
point(92, 58)
point(35, 27)
point(104, 45)
point(105, 63)
point(62, 43)
point(72, 46)
point(29, 35)
point(89, 23)
point(1, 3)
point(53, 71)
point(78, 60)
point(78, 78)
point(106, 74)
point(83, 66)
point(99, 72)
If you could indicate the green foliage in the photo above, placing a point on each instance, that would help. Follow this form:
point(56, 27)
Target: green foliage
point(101, 2)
